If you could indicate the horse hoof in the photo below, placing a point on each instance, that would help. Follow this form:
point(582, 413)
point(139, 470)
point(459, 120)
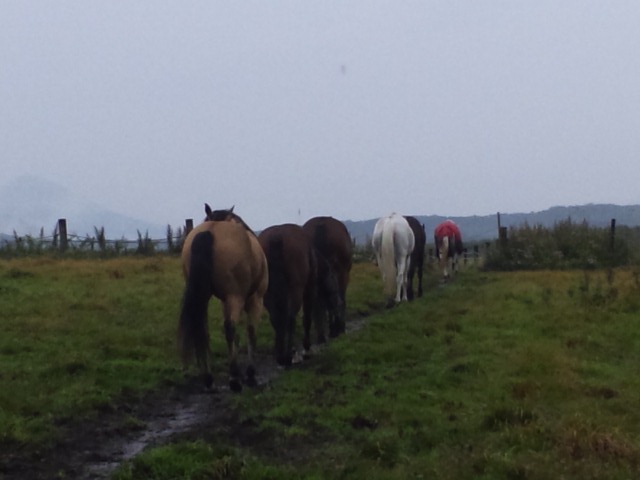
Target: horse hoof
point(251, 382)
point(297, 358)
point(208, 380)
point(284, 360)
point(251, 377)
point(235, 385)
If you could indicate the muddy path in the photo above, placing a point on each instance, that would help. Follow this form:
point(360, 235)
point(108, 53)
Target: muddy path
point(94, 448)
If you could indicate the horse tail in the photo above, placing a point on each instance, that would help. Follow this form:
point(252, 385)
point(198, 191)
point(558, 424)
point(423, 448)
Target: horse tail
point(388, 260)
point(277, 298)
point(320, 239)
point(193, 331)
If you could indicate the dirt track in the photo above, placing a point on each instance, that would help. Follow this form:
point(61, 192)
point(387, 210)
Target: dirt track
point(94, 449)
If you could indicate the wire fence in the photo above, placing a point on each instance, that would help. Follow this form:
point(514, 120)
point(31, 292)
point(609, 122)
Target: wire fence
point(63, 242)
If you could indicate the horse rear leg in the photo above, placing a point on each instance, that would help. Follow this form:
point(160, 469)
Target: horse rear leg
point(319, 316)
point(410, 282)
point(309, 316)
point(254, 312)
point(401, 280)
point(232, 309)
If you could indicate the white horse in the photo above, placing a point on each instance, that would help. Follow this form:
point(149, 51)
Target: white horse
point(393, 242)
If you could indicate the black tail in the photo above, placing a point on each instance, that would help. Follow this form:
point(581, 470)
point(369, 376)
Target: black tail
point(277, 298)
point(193, 330)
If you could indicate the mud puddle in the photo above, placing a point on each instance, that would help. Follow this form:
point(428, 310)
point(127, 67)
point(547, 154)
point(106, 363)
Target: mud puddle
point(168, 419)
point(180, 416)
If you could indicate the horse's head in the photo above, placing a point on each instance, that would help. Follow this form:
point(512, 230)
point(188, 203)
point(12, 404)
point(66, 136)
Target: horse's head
point(224, 216)
point(219, 215)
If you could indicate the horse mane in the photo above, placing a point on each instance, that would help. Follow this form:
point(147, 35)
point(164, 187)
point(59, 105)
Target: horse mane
point(225, 215)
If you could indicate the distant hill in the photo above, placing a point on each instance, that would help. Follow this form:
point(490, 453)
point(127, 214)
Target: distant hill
point(23, 211)
point(29, 204)
point(485, 228)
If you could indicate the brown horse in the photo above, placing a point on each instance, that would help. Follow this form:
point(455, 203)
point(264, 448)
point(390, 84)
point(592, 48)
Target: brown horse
point(292, 267)
point(335, 251)
point(448, 240)
point(417, 256)
point(219, 259)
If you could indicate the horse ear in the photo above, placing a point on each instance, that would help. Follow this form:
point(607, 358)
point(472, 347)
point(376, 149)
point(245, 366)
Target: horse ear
point(207, 209)
point(231, 209)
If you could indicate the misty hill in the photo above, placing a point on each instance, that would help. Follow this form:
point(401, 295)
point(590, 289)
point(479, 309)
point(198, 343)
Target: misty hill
point(29, 204)
point(484, 228)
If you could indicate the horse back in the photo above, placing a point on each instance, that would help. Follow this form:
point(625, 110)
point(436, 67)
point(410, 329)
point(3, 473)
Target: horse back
point(237, 270)
point(450, 230)
point(297, 260)
point(332, 240)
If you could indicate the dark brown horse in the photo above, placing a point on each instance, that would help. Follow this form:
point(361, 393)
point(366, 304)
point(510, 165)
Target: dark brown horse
point(335, 251)
point(417, 256)
point(292, 267)
point(221, 259)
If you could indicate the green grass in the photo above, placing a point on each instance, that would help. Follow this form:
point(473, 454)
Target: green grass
point(520, 375)
point(81, 337)
point(517, 376)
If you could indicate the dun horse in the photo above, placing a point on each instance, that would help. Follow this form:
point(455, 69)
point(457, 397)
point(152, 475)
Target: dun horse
point(448, 240)
point(221, 259)
point(417, 256)
point(335, 251)
point(393, 242)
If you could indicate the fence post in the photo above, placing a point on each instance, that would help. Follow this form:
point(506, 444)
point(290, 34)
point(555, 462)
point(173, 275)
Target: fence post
point(188, 226)
point(62, 230)
point(503, 236)
point(612, 234)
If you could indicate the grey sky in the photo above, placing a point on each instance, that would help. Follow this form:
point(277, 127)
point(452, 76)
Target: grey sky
point(347, 108)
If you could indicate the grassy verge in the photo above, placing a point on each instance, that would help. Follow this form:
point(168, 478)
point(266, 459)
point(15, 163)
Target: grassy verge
point(509, 375)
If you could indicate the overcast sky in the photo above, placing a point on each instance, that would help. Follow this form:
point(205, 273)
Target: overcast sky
point(291, 109)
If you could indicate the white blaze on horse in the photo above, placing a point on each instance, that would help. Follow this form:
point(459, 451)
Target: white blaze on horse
point(393, 242)
point(448, 240)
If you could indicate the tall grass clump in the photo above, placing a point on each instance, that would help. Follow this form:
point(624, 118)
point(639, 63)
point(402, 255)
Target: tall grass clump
point(566, 245)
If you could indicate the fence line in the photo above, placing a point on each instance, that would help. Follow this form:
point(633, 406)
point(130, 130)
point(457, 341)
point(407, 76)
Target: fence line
point(62, 240)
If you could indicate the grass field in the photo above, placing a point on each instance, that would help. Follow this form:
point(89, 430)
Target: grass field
point(523, 375)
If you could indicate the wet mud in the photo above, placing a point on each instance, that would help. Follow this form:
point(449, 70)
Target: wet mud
point(96, 448)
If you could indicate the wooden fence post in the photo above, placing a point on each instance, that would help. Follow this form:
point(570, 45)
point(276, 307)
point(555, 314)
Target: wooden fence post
point(503, 236)
point(612, 234)
point(188, 226)
point(62, 230)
